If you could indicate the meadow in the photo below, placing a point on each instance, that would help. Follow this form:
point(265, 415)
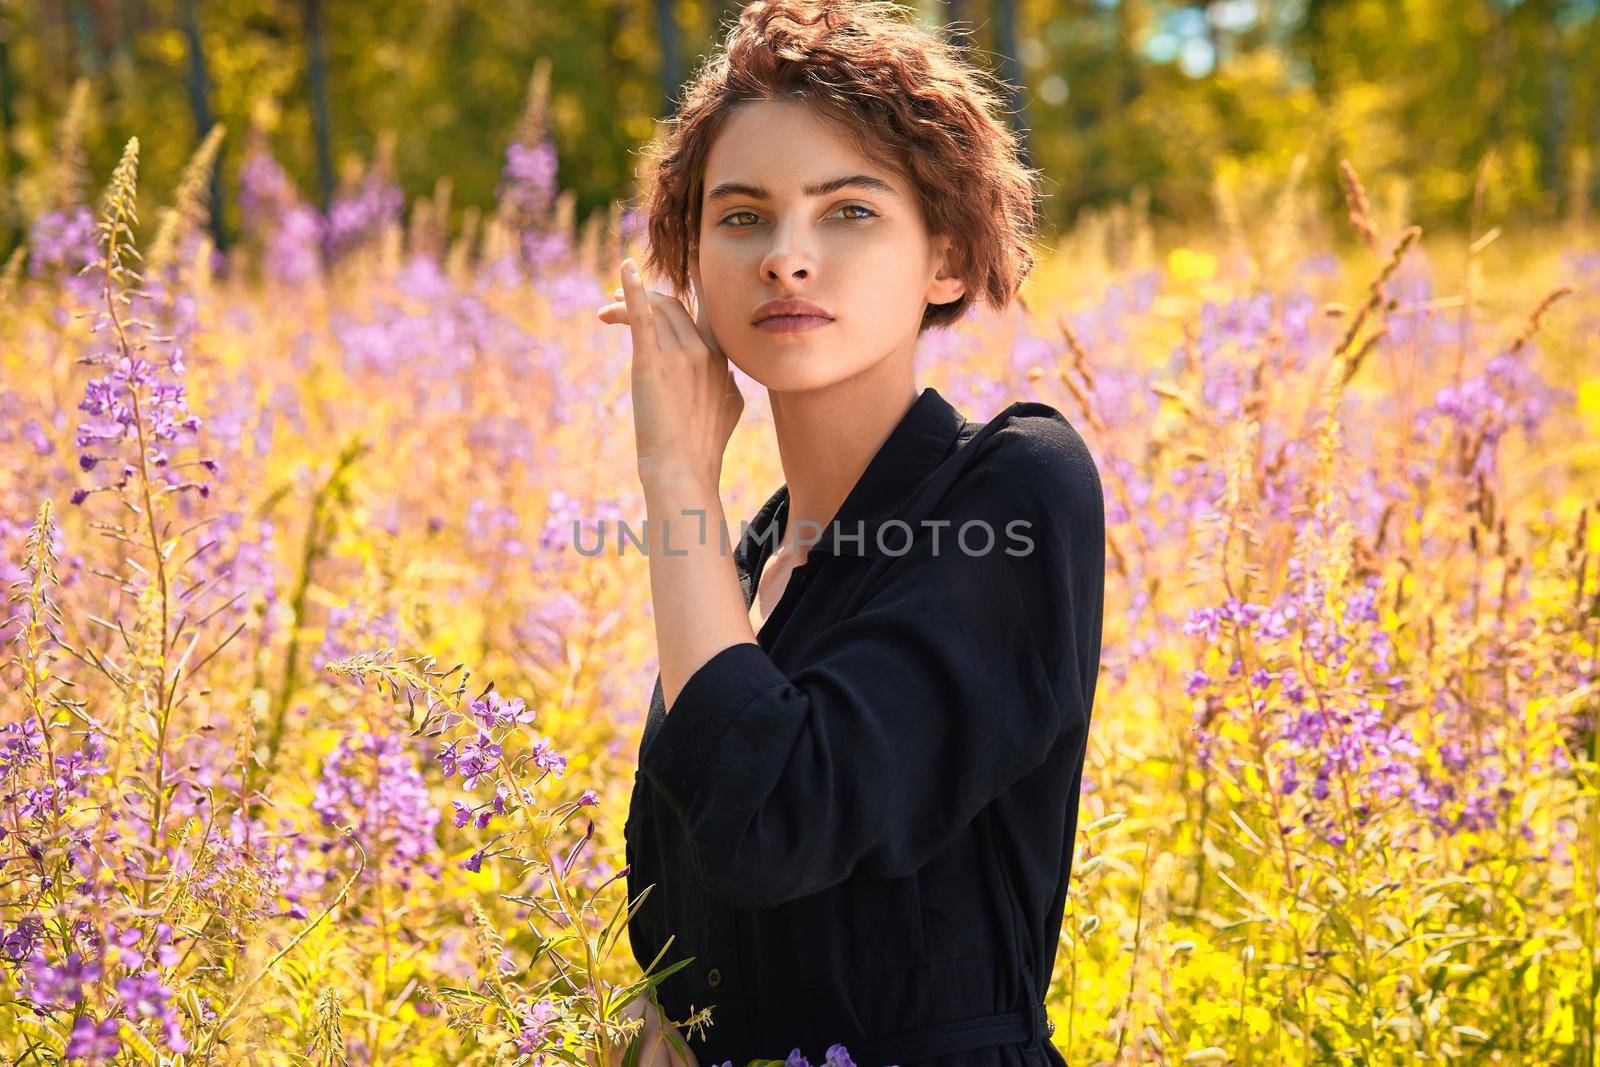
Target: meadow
point(319, 733)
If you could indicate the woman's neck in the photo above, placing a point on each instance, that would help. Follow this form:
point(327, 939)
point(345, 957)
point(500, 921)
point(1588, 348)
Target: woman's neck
point(826, 438)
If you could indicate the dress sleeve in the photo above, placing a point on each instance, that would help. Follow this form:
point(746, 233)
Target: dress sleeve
point(954, 680)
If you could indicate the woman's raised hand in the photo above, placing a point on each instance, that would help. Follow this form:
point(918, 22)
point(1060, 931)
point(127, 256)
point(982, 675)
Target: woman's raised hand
point(655, 1050)
point(685, 401)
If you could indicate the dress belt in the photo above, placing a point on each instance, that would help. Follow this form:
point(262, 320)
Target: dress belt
point(1027, 1026)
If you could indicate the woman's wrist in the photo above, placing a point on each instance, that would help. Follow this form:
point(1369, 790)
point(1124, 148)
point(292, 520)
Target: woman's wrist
point(677, 476)
point(682, 506)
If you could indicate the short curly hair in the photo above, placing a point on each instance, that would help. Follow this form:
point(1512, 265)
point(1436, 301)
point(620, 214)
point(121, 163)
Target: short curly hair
point(901, 93)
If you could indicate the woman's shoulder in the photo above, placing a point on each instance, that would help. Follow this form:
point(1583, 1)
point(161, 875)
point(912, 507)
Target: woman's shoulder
point(1033, 458)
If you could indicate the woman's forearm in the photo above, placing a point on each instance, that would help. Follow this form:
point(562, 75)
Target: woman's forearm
point(694, 585)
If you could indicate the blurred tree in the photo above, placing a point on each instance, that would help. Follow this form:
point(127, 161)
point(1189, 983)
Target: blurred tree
point(1010, 48)
point(200, 103)
point(671, 67)
point(959, 18)
point(317, 77)
point(1424, 89)
point(10, 166)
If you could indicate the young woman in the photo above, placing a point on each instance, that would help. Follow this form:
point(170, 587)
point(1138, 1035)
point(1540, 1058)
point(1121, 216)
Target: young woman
point(858, 785)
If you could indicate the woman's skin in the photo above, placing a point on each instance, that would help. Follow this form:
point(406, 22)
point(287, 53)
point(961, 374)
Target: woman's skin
point(654, 1048)
point(836, 391)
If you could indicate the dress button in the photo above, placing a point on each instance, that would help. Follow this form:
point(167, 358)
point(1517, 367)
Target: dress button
point(713, 978)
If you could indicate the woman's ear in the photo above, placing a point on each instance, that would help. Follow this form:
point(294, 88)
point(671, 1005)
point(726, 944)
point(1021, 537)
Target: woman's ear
point(694, 273)
point(947, 285)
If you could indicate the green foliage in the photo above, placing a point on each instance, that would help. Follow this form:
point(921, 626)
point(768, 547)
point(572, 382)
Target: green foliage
point(1425, 90)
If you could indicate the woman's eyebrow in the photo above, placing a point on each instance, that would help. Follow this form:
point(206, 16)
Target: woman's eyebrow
point(726, 190)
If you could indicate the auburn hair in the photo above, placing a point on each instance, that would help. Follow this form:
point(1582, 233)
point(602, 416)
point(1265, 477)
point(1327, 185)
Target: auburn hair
point(903, 95)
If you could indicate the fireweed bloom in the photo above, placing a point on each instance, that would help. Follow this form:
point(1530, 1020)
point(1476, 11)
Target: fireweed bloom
point(485, 521)
point(279, 864)
point(162, 407)
point(569, 521)
point(1343, 744)
point(836, 1056)
point(62, 241)
point(373, 782)
point(60, 244)
point(570, 293)
point(455, 327)
point(1506, 394)
point(145, 997)
point(60, 985)
point(548, 759)
point(494, 711)
point(288, 231)
point(479, 754)
point(94, 1042)
point(18, 941)
point(473, 757)
point(140, 404)
point(20, 745)
point(35, 790)
point(349, 629)
point(363, 212)
point(525, 196)
point(537, 1022)
point(528, 178)
point(481, 815)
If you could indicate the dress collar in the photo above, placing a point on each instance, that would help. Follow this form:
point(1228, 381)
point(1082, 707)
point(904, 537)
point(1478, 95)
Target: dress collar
point(920, 441)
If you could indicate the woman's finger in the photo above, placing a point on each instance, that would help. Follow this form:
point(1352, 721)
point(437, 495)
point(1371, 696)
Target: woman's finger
point(683, 327)
point(641, 318)
point(670, 315)
point(667, 312)
point(673, 331)
point(668, 325)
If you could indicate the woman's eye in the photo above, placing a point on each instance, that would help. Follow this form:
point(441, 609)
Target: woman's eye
point(867, 213)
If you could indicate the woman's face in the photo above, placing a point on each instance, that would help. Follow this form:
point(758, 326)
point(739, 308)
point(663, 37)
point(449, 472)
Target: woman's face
point(776, 224)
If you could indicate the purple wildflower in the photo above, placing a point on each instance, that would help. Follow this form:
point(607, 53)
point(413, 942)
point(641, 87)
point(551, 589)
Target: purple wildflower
point(94, 1042)
point(363, 212)
point(60, 986)
point(145, 997)
point(528, 179)
point(548, 759)
point(373, 781)
point(494, 711)
point(18, 942)
point(537, 1023)
point(838, 1057)
point(473, 758)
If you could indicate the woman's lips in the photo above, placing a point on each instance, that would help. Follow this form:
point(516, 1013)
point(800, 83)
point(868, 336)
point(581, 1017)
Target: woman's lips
point(791, 323)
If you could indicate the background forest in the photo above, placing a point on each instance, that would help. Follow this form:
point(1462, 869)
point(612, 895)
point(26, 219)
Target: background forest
point(1116, 95)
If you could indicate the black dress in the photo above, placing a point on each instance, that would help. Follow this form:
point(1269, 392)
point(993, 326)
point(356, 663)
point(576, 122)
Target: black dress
point(862, 826)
